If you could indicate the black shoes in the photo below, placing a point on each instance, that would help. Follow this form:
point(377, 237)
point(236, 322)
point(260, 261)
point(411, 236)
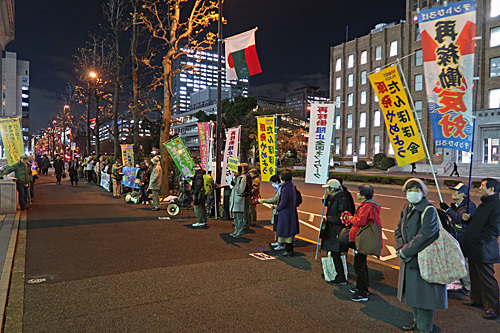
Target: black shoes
point(490, 315)
point(410, 327)
point(472, 304)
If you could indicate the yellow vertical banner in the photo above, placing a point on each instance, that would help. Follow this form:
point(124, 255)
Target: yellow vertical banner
point(127, 154)
point(399, 120)
point(12, 138)
point(267, 147)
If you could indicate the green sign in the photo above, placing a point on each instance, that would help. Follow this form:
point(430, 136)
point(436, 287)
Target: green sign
point(181, 156)
point(232, 164)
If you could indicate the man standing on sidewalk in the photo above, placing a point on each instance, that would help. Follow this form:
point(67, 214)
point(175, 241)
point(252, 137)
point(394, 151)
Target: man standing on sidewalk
point(199, 199)
point(480, 246)
point(155, 182)
point(23, 178)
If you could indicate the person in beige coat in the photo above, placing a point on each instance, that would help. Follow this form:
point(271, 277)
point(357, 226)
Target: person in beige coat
point(155, 182)
point(237, 203)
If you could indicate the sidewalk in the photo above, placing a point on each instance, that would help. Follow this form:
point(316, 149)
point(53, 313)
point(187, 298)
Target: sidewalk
point(96, 264)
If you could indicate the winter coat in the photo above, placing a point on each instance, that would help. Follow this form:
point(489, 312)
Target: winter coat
point(255, 192)
point(58, 166)
point(456, 212)
point(288, 219)
point(350, 200)
point(89, 166)
point(412, 235)
point(274, 201)
point(45, 163)
point(22, 172)
point(481, 236)
point(336, 204)
point(73, 169)
point(236, 201)
point(198, 190)
point(155, 180)
point(363, 215)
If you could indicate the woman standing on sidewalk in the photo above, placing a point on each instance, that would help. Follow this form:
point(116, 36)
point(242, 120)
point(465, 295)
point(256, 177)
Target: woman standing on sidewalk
point(275, 180)
point(288, 219)
point(116, 174)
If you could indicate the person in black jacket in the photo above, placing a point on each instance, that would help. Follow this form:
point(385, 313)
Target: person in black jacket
point(336, 203)
point(480, 246)
point(58, 168)
point(350, 201)
point(199, 199)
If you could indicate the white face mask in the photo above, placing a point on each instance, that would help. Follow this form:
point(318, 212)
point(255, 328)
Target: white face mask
point(414, 197)
point(276, 185)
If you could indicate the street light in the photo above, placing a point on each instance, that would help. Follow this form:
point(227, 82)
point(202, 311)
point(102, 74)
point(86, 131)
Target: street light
point(92, 75)
point(54, 122)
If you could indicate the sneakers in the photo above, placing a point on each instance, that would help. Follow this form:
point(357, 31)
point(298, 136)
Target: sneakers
point(235, 235)
point(338, 283)
point(358, 297)
point(355, 290)
point(279, 248)
point(287, 254)
point(275, 244)
point(199, 224)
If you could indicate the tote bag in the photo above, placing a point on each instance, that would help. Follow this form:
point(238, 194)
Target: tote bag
point(369, 238)
point(442, 261)
point(329, 270)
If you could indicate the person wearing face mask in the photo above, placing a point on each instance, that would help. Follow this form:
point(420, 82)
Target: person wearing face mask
point(480, 246)
point(276, 182)
point(418, 227)
point(367, 212)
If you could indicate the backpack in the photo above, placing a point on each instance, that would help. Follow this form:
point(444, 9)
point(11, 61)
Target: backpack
point(298, 197)
point(207, 184)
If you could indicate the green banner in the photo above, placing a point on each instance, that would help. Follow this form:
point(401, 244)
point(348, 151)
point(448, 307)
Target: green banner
point(12, 138)
point(181, 156)
point(232, 164)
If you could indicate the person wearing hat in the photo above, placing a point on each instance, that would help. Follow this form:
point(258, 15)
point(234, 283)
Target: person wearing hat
point(418, 227)
point(116, 175)
point(254, 197)
point(462, 205)
point(336, 203)
point(155, 182)
point(23, 176)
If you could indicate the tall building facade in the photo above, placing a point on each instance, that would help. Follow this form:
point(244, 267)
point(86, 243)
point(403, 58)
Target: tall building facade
point(300, 99)
point(360, 129)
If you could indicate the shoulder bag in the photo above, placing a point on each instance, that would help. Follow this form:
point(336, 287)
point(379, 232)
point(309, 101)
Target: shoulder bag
point(369, 238)
point(442, 261)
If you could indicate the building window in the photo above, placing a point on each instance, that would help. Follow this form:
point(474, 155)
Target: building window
point(363, 77)
point(491, 147)
point(417, 33)
point(376, 144)
point(418, 82)
point(418, 109)
point(494, 102)
point(495, 8)
point(349, 147)
point(424, 3)
point(350, 100)
point(338, 83)
point(349, 121)
point(362, 145)
point(495, 37)
point(364, 57)
point(376, 119)
point(338, 65)
point(350, 61)
point(378, 53)
point(419, 58)
point(375, 98)
point(337, 101)
point(362, 120)
point(25, 79)
point(393, 50)
point(495, 67)
point(414, 5)
point(337, 146)
point(350, 80)
point(337, 122)
point(390, 151)
point(363, 97)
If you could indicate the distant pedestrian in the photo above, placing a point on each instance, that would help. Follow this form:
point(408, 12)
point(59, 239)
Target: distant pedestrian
point(117, 175)
point(276, 182)
point(155, 182)
point(288, 219)
point(237, 202)
point(413, 168)
point(199, 198)
point(73, 171)
point(45, 165)
point(58, 168)
point(89, 169)
point(417, 228)
point(480, 246)
point(23, 176)
point(455, 169)
point(141, 176)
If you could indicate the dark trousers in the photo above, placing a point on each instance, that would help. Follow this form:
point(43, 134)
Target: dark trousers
point(455, 172)
point(22, 190)
point(339, 266)
point(483, 285)
point(58, 177)
point(144, 194)
point(361, 269)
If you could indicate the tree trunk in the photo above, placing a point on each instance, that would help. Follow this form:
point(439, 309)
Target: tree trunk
point(116, 132)
point(165, 133)
point(97, 132)
point(135, 79)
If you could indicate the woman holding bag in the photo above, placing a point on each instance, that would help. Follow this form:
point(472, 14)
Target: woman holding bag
point(416, 230)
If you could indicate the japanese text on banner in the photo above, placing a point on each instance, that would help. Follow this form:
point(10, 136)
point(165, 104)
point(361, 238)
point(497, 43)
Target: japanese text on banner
point(232, 146)
point(399, 120)
point(267, 147)
point(320, 141)
point(203, 135)
point(12, 139)
point(448, 56)
point(182, 159)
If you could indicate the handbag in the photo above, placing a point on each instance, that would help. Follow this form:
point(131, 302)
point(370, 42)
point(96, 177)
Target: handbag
point(344, 236)
point(63, 175)
point(329, 271)
point(369, 238)
point(254, 200)
point(442, 261)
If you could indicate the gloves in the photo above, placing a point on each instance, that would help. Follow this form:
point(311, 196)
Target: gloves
point(401, 256)
point(444, 206)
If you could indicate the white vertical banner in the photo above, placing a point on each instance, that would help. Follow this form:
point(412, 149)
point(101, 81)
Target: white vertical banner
point(321, 128)
point(232, 146)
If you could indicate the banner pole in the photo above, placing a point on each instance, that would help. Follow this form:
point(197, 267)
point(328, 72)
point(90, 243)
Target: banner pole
point(410, 98)
point(276, 143)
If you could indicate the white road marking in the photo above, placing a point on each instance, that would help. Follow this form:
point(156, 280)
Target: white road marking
point(393, 255)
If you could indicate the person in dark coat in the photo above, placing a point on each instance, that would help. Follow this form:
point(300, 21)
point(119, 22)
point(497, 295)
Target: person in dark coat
point(199, 198)
point(141, 175)
point(45, 165)
point(288, 219)
point(276, 182)
point(350, 201)
point(58, 168)
point(336, 204)
point(455, 170)
point(418, 227)
point(73, 171)
point(480, 246)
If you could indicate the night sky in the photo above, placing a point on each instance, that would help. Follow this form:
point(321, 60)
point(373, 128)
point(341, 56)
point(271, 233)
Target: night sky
point(293, 41)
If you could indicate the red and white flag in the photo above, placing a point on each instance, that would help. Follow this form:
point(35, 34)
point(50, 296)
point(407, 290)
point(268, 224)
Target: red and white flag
point(241, 56)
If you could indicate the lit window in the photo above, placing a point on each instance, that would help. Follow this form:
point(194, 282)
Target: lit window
point(494, 102)
point(495, 8)
point(363, 77)
point(363, 97)
point(419, 59)
point(337, 146)
point(362, 145)
point(376, 118)
point(337, 101)
point(417, 33)
point(362, 120)
point(338, 83)
point(393, 50)
point(337, 122)
point(25, 96)
point(418, 82)
point(349, 121)
point(349, 147)
point(25, 79)
point(418, 109)
point(495, 67)
point(350, 100)
point(25, 88)
point(378, 53)
point(350, 80)
point(364, 57)
point(375, 98)
point(338, 65)
point(390, 151)
point(350, 61)
point(25, 104)
point(376, 144)
point(495, 37)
